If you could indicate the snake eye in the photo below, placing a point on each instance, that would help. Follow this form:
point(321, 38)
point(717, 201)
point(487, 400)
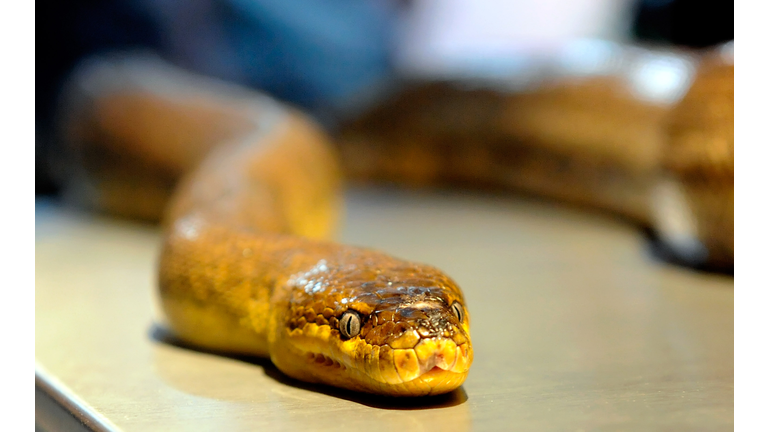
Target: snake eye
point(349, 324)
point(458, 310)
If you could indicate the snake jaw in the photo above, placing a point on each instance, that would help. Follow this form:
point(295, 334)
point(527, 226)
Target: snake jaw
point(442, 366)
point(436, 353)
point(439, 354)
point(431, 365)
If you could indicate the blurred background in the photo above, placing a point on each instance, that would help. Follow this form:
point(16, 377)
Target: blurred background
point(568, 100)
point(321, 55)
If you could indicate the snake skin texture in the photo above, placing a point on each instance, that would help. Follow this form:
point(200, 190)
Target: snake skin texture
point(246, 265)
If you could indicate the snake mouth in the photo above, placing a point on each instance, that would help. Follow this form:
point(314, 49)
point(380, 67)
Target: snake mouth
point(436, 356)
point(428, 366)
point(428, 360)
point(435, 372)
point(434, 381)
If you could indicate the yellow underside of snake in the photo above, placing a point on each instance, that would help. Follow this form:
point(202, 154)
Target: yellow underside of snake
point(246, 265)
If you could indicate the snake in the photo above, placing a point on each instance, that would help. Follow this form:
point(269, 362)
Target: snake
point(249, 191)
point(247, 264)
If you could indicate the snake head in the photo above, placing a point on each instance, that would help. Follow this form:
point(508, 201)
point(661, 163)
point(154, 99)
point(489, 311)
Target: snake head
point(392, 327)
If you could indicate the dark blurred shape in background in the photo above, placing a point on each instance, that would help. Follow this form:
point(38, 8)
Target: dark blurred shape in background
point(309, 53)
point(66, 32)
point(690, 23)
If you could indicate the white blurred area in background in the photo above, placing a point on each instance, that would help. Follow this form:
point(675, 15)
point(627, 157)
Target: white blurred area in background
point(518, 44)
point(447, 34)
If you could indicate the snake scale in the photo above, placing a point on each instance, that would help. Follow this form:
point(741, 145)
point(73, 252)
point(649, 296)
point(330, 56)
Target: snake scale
point(247, 266)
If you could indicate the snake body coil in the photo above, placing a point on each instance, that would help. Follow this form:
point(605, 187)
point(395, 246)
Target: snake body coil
point(246, 266)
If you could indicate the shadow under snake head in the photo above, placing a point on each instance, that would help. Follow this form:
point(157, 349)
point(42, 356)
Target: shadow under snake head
point(369, 322)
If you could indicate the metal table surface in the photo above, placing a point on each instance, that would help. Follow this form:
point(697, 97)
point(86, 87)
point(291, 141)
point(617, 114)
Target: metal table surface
point(574, 325)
